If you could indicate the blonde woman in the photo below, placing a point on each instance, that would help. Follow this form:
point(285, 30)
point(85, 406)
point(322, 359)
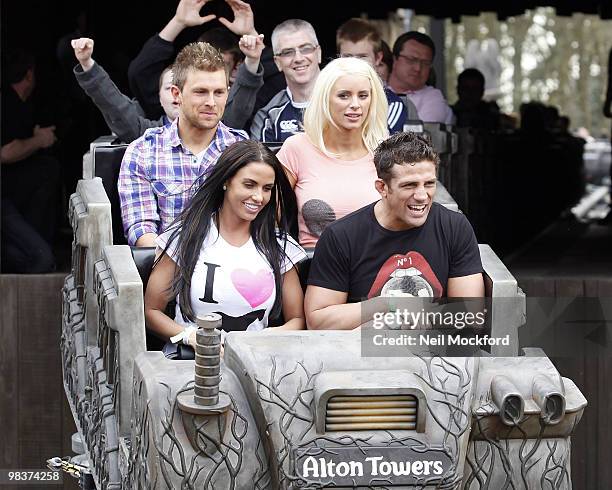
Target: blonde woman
point(330, 166)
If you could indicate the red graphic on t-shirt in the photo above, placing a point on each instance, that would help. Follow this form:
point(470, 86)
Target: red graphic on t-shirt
point(406, 275)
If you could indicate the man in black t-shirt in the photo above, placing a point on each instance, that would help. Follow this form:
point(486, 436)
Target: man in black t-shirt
point(403, 245)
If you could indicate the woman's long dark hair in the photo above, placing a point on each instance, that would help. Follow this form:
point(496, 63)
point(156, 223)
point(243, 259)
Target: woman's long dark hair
point(193, 224)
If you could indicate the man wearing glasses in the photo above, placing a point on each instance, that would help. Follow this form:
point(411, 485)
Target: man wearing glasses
point(413, 54)
point(297, 54)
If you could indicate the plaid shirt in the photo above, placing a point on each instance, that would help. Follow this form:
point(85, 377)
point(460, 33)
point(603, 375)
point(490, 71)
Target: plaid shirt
point(158, 174)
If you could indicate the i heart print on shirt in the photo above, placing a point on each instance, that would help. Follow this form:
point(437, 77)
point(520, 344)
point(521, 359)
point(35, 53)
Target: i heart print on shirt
point(254, 287)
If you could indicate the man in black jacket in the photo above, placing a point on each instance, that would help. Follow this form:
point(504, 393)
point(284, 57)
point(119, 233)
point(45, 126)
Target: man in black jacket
point(158, 52)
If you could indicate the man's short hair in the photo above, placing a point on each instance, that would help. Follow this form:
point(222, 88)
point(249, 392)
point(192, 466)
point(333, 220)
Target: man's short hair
point(15, 65)
point(196, 56)
point(354, 30)
point(419, 37)
point(471, 74)
point(403, 149)
point(292, 25)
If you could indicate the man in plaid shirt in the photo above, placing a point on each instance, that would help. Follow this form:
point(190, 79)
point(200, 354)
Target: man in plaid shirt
point(162, 169)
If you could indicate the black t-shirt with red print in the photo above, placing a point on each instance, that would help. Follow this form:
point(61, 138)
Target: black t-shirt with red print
point(358, 256)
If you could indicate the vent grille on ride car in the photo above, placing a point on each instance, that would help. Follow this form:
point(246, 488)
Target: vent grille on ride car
point(349, 413)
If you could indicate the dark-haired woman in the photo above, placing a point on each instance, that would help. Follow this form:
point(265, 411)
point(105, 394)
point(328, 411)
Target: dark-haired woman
point(229, 252)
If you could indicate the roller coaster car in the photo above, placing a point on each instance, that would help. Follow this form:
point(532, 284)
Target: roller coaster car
point(299, 409)
point(304, 409)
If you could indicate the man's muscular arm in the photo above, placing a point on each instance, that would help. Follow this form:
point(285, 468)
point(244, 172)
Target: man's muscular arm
point(325, 303)
point(327, 309)
point(471, 286)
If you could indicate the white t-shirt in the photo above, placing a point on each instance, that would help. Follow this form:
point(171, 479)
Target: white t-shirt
point(236, 282)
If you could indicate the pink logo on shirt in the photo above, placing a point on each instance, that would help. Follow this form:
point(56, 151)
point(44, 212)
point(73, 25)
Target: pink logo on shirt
point(255, 287)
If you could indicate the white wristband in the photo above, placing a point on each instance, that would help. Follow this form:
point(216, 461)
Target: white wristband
point(183, 336)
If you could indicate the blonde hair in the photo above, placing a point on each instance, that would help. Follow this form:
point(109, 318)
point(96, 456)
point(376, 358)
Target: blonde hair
point(196, 56)
point(317, 116)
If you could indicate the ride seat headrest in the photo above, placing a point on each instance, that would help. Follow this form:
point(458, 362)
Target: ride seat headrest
point(144, 258)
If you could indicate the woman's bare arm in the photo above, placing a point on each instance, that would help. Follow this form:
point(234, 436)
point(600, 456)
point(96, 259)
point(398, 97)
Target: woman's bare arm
point(156, 299)
point(293, 302)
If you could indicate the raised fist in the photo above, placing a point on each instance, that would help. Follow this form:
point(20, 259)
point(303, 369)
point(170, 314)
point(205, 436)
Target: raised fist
point(252, 46)
point(83, 49)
